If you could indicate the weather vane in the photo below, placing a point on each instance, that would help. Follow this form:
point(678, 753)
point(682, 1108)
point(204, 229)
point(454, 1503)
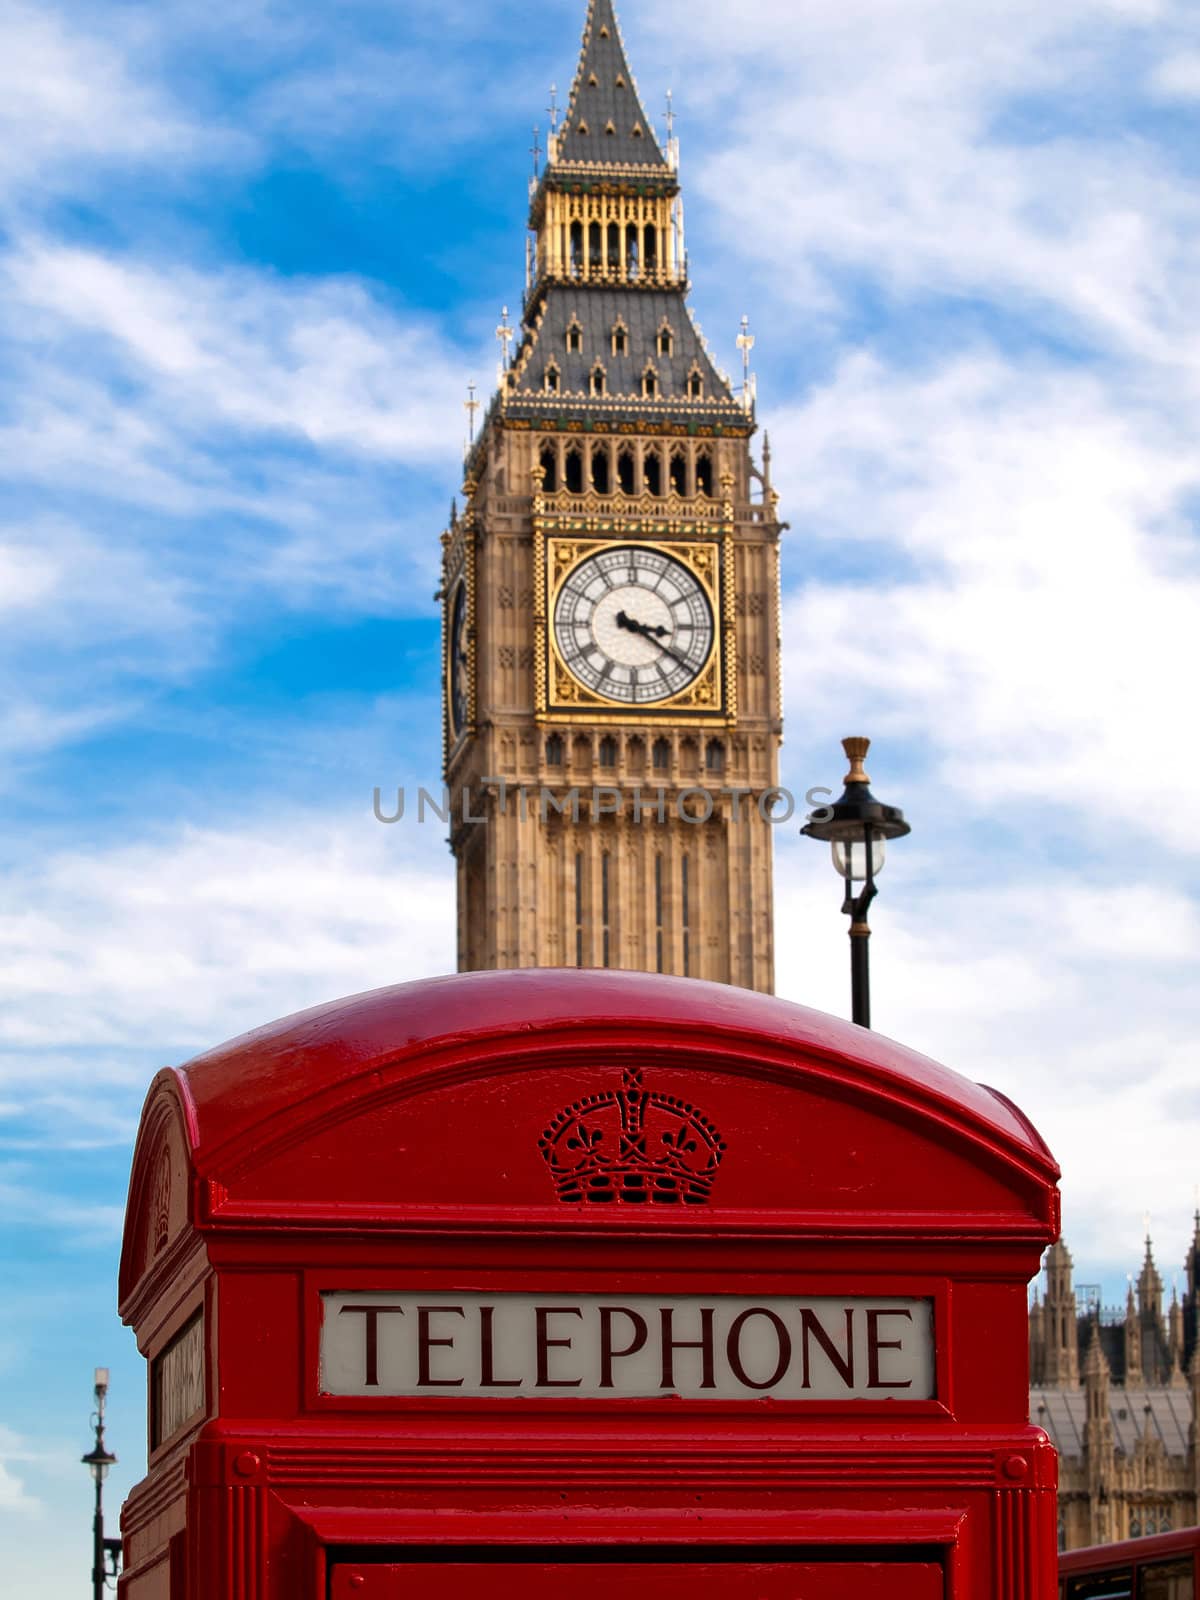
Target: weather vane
point(471, 406)
point(505, 335)
point(745, 343)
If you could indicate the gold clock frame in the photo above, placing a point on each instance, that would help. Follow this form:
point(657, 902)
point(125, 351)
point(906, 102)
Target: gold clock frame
point(709, 700)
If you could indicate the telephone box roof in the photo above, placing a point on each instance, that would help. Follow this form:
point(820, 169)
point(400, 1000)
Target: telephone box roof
point(276, 1071)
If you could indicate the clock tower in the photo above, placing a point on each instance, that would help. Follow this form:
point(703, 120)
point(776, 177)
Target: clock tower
point(611, 592)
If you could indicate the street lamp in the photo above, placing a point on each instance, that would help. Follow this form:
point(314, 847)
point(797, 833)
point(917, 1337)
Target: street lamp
point(858, 827)
point(106, 1553)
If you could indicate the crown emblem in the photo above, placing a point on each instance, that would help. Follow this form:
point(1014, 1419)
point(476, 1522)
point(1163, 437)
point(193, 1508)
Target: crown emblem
point(630, 1147)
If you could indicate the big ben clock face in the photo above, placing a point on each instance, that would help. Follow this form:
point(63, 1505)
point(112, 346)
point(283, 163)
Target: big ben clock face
point(633, 625)
point(458, 663)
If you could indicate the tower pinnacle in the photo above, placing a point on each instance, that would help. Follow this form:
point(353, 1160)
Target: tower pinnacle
point(605, 120)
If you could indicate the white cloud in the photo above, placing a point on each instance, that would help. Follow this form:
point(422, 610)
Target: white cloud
point(179, 941)
point(72, 100)
point(322, 361)
point(1039, 633)
point(1177, 77)
point(14, 1497)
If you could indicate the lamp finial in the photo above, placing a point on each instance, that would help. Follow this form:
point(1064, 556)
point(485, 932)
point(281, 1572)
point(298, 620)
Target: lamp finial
point(856, 752)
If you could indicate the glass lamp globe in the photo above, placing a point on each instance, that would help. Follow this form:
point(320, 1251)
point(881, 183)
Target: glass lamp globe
point(850, 858)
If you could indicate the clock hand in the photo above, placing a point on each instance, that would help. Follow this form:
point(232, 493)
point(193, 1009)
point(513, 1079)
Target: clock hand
point(647, 632)
point(639, 627)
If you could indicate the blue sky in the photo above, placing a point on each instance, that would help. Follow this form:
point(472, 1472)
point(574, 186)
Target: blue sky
point(250, 257)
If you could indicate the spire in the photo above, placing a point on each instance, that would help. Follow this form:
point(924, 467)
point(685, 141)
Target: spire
point(1134, 1372)
point(1150, 1285)
point(605, 121)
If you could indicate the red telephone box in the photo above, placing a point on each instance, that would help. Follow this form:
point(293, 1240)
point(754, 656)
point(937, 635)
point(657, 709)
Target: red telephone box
point(544, 1282)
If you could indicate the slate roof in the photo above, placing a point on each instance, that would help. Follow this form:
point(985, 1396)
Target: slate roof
point(605, 97)
point(597, 310)
point(1063, 1414)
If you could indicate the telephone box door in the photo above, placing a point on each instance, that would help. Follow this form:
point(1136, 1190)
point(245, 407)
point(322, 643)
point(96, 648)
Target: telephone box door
point(691, 1580)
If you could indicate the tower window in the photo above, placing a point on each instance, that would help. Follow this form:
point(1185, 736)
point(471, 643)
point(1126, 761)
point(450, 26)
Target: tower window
point(574, 472)
point(625, 470)
point(620, 339)
point(595, 247)
point(576, 257)
point(704, 475)
point(662, 755)
point(649, 383)
point(637, 130)
point(600, 469)
point(598, 379)
point(574, 338)
point(714, 756)
point(552, 379)
point(611, 131)
point(608, 751)
point(632, 249)
point(695, 387)
point(548, 461)
point(652, 472)
point(614, 245)
point(554, 750)
point(678, 473)
point(666, 341)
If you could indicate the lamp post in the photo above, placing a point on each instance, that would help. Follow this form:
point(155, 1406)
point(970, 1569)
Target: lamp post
point(106, 1553)
point(858, 827)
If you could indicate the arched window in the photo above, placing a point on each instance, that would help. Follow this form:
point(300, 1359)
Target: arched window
point(574, 470)
point(714, 757)
point(608, 751)
point(599, 383)
point(650, 383)
point(662, 755)
point(666, 340)
point(695, 386)
point(576, 249)
point(574, 337)
point(678, 472)
point(552, 379)
point(632, 255)
point(652, 472)
point(651, 245)
point(595, 247)
point(554, 750)
point(548, 461)
point(620, 339)
point(704, 474)
point(600, 469)
point(614, 245)
point(625, 469)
